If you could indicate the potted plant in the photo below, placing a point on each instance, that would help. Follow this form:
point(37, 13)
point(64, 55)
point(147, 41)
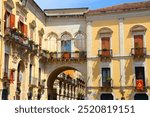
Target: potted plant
point(76, 54)
point(105, 52)
point(66, 55)
point(47, 54)
point(109, 79)
point(138, 50)
point(54, 55)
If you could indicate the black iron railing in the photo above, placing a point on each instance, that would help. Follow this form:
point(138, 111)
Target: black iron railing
point(138, 52)
point(63, 55)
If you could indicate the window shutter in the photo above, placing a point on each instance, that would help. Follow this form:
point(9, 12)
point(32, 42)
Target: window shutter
point(25, 29)
point(12, 20)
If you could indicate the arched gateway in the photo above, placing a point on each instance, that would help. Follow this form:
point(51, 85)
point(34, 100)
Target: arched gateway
point(68, 88)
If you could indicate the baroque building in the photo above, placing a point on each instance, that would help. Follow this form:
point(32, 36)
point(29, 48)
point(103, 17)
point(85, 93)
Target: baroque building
point(74, 53)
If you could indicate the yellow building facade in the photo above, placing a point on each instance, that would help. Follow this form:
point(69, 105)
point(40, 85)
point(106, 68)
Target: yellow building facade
point(106, 50)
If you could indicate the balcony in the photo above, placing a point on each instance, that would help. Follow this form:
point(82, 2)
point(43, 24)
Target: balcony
point(138, 53)
point(105, 54)
point(18, 39)
point(13, 35)
point(63, 56)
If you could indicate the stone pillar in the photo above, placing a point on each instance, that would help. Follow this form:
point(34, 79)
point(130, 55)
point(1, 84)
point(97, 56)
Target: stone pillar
point(64, 91)
point(60, 89)
point(121, 48)
point(59, 47)
point(89, 55)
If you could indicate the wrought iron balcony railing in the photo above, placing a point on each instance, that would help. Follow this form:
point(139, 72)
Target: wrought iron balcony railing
point(105, 54)
point(52, 56)
point(15, 36)
point(138, 52)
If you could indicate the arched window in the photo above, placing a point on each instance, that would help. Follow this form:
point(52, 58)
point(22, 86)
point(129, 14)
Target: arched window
point(138, 43)
point(66, 42)
point(140, 96)
point(80, 41)
point(52, 42)
point(105, 42)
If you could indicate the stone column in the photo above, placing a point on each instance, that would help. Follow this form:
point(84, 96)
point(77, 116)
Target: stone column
point(89, 55)
point(121, 48)
point(58, 91)
point(59, 47)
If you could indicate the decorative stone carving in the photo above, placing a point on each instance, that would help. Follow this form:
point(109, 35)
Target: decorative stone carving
point(9, 4)
point(15, 57)
point(138, 28)
point(41, 32)
point(33, 24)
point(105, 30)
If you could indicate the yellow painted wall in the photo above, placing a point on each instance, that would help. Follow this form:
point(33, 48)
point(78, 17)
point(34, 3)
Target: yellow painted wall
point(96, 26)
point(128, 24)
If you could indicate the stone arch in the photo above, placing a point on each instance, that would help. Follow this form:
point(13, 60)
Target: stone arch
point(80, 32)
point(141, 96)
point(105, 30)
point(58, 68)
point(51, 34)
point(20, 77)
point(52, 42)
point(67, 34)
point(53, 75)
point(138, 28)
point(79, 42)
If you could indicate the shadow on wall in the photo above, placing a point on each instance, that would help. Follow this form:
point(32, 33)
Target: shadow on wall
point(129, 72)
point(96, 73)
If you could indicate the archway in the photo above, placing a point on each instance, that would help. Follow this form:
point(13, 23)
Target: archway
point(107, 96)
point(66, 83)
point(140, 96)
point(20, 71)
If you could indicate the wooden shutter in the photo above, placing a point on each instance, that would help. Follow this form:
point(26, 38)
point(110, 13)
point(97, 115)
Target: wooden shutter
point(12, 20)
point(138, 41)
point(25, 29)
point(105, 43)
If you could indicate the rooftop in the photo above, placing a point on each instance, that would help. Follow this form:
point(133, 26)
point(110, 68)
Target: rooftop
point(123, 7)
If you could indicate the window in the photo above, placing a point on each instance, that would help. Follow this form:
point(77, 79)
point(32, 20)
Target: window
point(30, 74)
point(105, 43)
point(66, 42)
point(52, 43)
point(140, 75)
point(6, 63)
point(66, 45)
point(80, 41)
point(106, 77)
point(9, 20)
point(138, 41)
point(39, 83)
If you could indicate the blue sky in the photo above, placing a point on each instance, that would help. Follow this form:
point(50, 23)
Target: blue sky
point(92, 4)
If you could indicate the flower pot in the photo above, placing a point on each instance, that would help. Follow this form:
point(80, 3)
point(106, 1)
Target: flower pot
point(76, 55)
point(66, 55)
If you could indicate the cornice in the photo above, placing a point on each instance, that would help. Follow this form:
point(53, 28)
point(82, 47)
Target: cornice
point(94, 17)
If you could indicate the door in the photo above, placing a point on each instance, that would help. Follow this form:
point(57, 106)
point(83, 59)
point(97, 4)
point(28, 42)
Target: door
point(140, 74)
point(138, 44)
point(105, 77)
point(106, 46)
